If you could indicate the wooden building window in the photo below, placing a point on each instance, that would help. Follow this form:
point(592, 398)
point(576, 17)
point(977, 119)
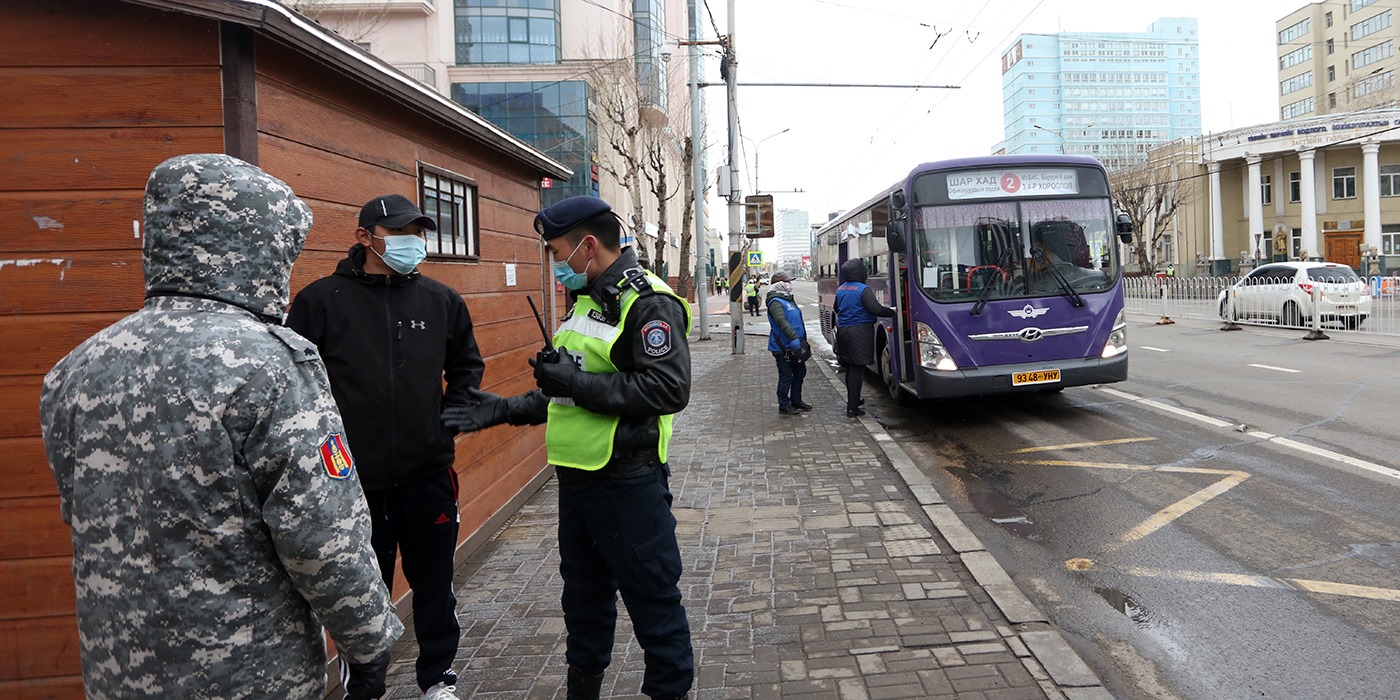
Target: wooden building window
point(450, 200)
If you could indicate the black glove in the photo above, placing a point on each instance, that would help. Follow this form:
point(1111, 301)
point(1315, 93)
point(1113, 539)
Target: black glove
point(365, 681)
point(555, 376)
point(489, 409)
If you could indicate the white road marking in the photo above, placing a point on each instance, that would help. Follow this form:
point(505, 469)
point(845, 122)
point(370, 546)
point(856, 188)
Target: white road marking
point(1280, 441)
point(1278, 369)
point(1149, 347)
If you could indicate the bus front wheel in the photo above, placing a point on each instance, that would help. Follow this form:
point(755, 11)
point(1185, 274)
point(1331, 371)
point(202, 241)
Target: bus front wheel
point(891, 384)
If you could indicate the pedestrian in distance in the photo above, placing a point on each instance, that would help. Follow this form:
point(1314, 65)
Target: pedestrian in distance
point(751, 296)
point(616, 372)
point(787, 340)
point(399, 346)
point(216, 513)
point(856, 309)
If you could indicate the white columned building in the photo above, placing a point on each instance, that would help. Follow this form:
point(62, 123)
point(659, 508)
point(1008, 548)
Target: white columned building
point(1332, 192)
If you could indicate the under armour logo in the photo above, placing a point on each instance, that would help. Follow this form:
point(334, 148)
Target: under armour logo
point(418, 325)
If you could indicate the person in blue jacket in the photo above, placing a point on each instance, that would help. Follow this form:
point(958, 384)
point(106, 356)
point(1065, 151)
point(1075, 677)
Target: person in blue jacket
point(856, 309)
point(787, 340)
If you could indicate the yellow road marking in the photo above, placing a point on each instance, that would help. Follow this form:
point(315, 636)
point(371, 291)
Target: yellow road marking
point(1327, 587)
point(1074, 445)
point(1163, 517)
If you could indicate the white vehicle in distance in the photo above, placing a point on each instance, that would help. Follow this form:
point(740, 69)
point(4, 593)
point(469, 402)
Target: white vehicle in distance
point(1283, 292)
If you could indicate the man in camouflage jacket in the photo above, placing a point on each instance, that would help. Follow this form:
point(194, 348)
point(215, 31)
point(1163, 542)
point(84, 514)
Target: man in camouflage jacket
point(217, 520)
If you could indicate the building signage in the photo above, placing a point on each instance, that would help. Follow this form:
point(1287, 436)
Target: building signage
point(1038, 182)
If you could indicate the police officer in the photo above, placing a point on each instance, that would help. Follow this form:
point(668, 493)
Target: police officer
point(201, 462)
point(619, 371)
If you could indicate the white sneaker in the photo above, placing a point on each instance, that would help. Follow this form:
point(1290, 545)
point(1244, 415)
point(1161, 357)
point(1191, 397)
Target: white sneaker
point(441, 691)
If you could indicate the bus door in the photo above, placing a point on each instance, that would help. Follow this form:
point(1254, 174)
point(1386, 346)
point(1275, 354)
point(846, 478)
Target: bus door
point(902, 350)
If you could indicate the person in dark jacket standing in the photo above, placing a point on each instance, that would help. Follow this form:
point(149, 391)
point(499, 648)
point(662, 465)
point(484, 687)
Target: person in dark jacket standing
point(390, 338)
point(619, 369)
point(216, 515)
point(787, 340)
point(856, 309)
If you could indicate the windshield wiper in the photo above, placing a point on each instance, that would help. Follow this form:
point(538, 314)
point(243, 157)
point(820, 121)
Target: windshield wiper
point(986, 292)
point(1074, 297)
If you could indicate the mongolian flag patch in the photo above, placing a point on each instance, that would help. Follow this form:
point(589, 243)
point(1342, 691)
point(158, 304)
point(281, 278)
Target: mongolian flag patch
point(339, 463)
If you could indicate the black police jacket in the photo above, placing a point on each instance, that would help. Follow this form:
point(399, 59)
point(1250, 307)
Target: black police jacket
point(388, 342)
point(645, 385)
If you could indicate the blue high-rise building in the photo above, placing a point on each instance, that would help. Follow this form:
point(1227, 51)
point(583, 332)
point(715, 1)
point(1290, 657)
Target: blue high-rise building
point(1108, 95)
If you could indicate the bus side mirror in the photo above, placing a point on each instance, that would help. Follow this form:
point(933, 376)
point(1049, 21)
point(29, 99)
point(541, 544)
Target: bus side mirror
point(1124, 227)
point(894, 235)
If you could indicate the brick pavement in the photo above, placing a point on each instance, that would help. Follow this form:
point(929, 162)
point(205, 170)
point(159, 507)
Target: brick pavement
point(813, 569)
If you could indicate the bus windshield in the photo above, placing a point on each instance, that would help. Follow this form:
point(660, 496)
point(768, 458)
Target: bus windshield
point(1014, 250)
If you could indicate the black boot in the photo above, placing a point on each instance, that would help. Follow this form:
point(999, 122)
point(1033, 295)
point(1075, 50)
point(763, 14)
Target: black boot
point(583, 686)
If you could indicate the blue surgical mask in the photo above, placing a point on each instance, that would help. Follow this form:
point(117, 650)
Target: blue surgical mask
point(403, 253)
point(566, 276)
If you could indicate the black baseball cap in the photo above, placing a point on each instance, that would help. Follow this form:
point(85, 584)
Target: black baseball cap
point(393, 211)
point(781, 277)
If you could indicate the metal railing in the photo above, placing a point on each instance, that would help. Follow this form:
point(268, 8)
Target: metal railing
point(421, 72)
point(1279, 305)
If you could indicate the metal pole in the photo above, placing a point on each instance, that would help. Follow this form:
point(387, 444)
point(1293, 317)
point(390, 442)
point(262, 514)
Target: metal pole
point(736, 204)
point(697, 169)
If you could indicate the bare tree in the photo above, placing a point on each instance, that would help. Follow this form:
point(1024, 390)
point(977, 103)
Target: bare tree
point(684, 281)
point(660, 147)
point(617, 107)
point(1150, 194)
point(354, 21)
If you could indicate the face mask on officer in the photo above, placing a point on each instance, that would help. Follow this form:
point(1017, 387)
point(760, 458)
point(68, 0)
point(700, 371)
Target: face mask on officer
point(566, 276)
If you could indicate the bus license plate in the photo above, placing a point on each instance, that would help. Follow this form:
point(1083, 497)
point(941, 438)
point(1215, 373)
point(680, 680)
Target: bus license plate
point(1046, 376)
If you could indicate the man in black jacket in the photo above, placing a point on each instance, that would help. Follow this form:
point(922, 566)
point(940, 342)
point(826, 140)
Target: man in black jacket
point(389, 337)
point(619, 371)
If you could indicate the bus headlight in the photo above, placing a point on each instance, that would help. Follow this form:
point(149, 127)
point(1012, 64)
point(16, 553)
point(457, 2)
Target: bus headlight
point(1117, 338)
point(932, 354)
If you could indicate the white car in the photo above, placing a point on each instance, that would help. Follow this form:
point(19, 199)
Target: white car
point(1283, 292)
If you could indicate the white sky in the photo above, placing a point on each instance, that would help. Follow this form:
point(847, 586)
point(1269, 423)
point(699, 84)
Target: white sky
point(845, 144)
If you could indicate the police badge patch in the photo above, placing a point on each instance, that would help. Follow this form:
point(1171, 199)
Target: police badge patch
point(339, 464)
point(656, 338)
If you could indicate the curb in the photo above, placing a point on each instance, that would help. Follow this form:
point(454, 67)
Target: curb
point(1047, 650)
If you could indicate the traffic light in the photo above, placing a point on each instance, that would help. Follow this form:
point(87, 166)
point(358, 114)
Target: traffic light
point(758, 216)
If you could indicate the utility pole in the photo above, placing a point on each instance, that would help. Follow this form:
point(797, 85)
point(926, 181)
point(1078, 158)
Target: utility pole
point(736, 203)
point(697, 169)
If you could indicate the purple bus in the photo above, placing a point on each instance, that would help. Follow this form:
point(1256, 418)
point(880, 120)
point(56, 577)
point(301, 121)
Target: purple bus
point(1004, 271)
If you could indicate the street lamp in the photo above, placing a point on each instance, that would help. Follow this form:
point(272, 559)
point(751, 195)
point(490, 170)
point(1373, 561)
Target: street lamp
point(1062, 136)
point(756, 144)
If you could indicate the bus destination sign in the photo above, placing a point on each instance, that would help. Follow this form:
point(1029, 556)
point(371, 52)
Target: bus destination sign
point(1038, 182)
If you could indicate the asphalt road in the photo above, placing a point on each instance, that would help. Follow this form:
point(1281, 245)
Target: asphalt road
point(1222, 525)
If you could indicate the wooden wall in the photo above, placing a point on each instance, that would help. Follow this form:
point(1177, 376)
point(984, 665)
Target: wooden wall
point(106, 91)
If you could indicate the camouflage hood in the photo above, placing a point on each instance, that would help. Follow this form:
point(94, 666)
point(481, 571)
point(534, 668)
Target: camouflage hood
point(220, 228)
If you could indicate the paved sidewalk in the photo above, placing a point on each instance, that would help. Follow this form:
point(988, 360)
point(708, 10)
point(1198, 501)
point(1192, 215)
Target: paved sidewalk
point(820, 563)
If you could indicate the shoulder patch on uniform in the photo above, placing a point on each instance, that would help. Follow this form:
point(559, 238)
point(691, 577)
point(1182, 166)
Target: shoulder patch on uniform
point(336, 457)
point(656, 338)
point(302, 349)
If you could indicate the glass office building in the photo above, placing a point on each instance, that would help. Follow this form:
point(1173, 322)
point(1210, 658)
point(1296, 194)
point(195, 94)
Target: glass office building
point(1111, 96)
point(551, 116)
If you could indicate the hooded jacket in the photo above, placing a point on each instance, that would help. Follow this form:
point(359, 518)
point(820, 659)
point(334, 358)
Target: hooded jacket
point(856, 309)
point(389, 342)
point(216, 517)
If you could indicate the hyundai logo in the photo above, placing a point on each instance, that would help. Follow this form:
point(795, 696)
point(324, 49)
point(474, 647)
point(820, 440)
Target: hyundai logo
point(1032, 334)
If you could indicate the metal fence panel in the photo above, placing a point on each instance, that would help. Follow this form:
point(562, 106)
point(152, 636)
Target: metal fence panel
point(1200, 298)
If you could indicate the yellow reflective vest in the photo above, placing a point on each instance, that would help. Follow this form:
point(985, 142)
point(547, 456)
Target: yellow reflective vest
point(577, 437)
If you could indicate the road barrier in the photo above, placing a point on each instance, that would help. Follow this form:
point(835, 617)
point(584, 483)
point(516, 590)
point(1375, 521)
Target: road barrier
point(1200, 298)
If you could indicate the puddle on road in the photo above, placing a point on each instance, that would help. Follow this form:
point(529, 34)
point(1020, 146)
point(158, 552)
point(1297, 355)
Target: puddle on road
point(989, 502)
point(1124, 603)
